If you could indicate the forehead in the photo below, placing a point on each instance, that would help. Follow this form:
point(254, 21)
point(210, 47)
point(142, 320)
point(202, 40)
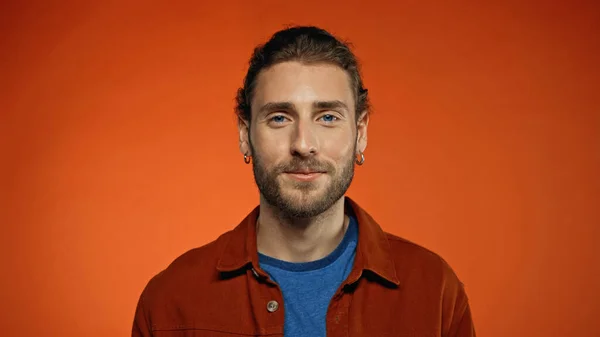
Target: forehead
point(302, 84)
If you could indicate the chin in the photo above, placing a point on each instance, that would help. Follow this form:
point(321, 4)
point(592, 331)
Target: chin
point(303, 191)
point(302, 197)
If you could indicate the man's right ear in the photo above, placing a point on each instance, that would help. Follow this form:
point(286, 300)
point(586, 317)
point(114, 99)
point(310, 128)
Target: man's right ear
point(244, 134)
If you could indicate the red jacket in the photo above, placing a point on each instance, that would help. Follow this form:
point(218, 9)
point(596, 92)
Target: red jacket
point(396, 288)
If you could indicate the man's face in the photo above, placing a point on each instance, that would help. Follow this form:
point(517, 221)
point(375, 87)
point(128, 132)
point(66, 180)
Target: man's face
point(303, 136)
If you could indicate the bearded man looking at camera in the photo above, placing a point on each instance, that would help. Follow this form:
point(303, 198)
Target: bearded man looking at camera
point(308, 260)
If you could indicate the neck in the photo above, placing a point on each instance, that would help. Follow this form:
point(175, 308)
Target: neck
point(300, 240)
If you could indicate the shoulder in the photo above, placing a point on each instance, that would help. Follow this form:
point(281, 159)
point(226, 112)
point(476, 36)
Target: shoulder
point(173, 299)
point(429, 278)
point(416, 264)
point(194, 268)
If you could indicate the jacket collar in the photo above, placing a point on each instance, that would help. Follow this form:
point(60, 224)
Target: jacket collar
point(372, 254)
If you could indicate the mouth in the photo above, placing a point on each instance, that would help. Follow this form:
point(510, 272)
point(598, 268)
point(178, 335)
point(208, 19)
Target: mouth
point(304, 175)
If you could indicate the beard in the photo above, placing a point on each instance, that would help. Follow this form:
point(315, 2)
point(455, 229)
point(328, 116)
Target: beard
point(296, 199)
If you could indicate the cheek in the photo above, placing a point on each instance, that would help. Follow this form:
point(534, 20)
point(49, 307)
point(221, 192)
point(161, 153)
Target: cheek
point(269, 147)
point(338, 148)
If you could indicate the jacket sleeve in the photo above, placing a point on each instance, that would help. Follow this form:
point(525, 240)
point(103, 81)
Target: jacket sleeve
point(141, 326)
point(456, 311)
point(462, 322)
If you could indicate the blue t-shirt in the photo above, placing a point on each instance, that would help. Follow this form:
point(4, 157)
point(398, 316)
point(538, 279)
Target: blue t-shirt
point(308, 287)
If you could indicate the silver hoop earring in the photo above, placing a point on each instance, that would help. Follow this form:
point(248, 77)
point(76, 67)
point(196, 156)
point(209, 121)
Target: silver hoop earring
point(247, 159)
point(362, 159)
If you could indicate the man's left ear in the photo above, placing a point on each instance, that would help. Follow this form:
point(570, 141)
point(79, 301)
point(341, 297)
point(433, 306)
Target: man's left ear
point(361, 128)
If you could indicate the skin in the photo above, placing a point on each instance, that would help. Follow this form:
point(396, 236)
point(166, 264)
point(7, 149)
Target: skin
point(303, 120)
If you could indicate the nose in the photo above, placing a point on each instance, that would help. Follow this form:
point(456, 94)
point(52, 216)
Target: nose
point(304, 142)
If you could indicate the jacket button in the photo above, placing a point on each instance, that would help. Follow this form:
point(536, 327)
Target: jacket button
point(272, 306)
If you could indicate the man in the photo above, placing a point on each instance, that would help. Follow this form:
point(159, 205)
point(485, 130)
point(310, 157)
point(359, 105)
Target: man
point(308, 261)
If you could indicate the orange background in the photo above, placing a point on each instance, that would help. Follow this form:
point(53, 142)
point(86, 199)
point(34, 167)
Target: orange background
point(119, 149)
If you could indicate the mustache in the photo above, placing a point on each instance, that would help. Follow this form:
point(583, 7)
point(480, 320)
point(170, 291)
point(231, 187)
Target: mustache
point(298, 164)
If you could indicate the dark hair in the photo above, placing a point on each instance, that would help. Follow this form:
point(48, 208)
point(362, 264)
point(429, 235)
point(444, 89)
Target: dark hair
point(307, 44)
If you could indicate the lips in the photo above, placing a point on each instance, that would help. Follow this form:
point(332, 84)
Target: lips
point(304, 175)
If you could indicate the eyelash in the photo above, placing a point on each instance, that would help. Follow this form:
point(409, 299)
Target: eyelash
point(331, 115)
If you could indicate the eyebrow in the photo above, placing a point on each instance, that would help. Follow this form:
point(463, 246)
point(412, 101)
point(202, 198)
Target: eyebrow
point(274, 106)
point(287, 106)
point(330, 105)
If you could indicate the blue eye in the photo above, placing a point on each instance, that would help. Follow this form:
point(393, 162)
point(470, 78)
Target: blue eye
point(278, 119)
point(329, 118)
